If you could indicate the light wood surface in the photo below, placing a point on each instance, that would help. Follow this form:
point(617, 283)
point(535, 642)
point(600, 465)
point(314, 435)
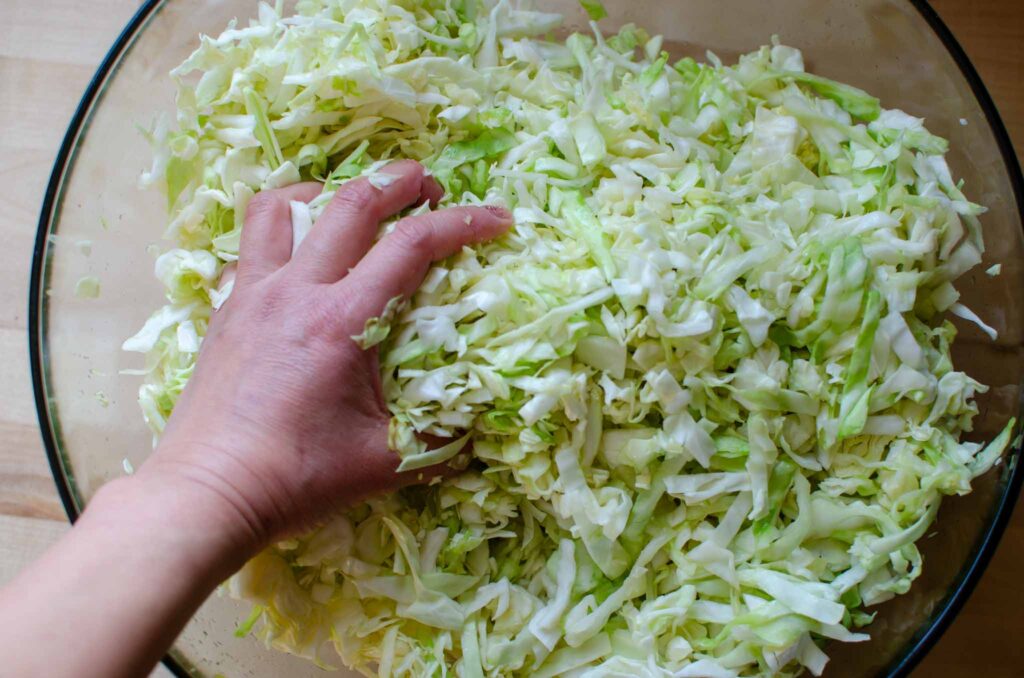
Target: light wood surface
point(49, 50)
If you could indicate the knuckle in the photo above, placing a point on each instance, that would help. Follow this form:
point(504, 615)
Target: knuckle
point(270, 304)
point(345, 307)
point(332, 319)
point(261, 204)
point(320, 321)
point(416, 237)
point(356, 196)
point(275, 309)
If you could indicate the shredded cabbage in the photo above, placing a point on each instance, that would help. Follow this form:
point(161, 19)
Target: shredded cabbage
point(87, 287)
point(706, 377)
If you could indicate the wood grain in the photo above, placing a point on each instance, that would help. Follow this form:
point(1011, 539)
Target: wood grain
point(48, 53)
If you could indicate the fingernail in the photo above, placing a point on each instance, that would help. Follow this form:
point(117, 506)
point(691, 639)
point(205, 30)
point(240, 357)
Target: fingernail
point(398, 168)
point(498, 211)
point(401, 164)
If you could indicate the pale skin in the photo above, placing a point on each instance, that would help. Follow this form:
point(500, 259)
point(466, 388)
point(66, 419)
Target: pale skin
point(282, 424)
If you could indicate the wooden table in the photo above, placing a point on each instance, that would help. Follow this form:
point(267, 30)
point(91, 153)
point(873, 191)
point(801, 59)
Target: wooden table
point(48, 52)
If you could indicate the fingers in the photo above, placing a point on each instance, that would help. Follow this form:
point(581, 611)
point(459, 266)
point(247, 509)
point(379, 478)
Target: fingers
point(267, 235)
point(377, 469)
point(432, 191)
point(349, 224)
point(396, 265)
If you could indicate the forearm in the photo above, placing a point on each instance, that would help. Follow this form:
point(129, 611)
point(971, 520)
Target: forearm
point(111, 596)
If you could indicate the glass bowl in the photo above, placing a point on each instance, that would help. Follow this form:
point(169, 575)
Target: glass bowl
point(96, 222)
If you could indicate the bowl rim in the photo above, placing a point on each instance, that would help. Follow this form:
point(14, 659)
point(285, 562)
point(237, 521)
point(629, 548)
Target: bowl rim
point(916, 648)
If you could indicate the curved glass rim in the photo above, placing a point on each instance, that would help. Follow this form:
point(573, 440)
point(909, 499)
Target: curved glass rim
point(915, 650)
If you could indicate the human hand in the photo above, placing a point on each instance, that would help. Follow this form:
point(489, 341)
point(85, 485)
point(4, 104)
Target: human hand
point(283, 420)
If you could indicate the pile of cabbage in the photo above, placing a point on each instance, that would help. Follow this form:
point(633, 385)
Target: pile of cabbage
point(706, 378)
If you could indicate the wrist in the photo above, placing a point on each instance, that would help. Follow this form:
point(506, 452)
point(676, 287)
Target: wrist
point(145, 554)
point(220, 465)
point(191, 524)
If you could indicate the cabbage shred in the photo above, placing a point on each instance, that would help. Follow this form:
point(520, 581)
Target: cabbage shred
point(706, 379)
